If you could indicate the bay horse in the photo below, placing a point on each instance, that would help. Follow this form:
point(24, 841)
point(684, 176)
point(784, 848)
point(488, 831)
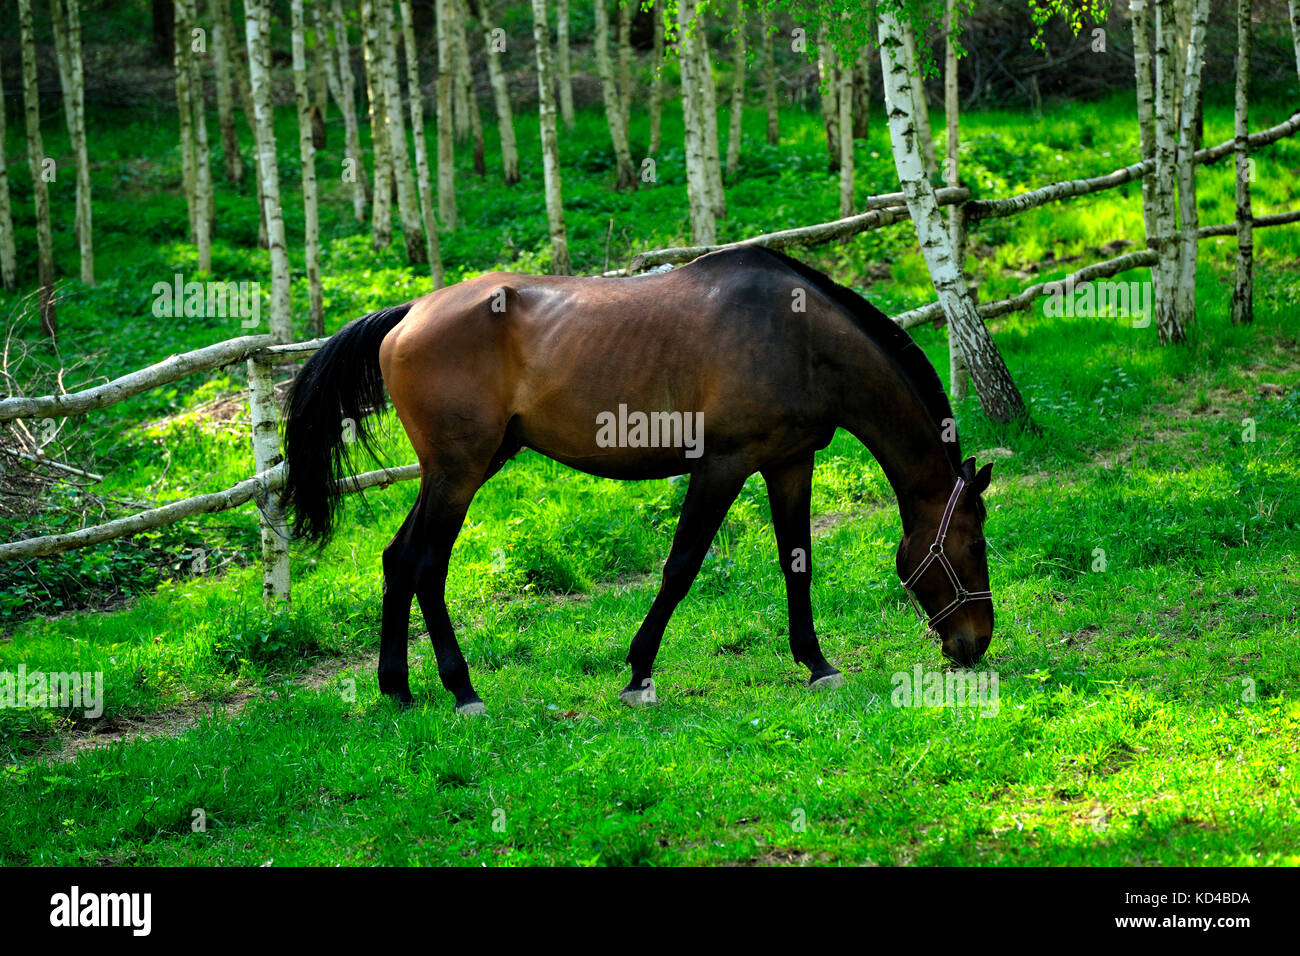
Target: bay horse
point(768, 355)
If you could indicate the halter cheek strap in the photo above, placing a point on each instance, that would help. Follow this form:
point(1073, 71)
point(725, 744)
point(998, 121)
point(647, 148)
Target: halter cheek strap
point(936, 554)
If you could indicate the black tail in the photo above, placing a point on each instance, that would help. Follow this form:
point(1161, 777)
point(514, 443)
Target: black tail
point(341, 382)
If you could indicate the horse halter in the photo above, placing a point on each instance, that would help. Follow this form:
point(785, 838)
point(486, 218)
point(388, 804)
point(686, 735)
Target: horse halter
point(936, 554)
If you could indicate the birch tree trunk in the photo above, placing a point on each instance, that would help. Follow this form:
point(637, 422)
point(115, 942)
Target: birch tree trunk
point(845, 100)
point(613, 109)
point(67, 34)
point(769, 80)
point(381, 211)
point(307, 154)
point(550, 141)
point(1140, 15)
point(703, 222)
point(1165, 273)
point(467, 81)
point(257, 27)
point(36, 163)
point(1243, 291)
point(562, 70)
point(998, 395)
point(221, 10)
point(1185, 300)
point(625, 60)
point(922, 103)
point(737, 112)
point(203, 194)
point(862, 94)
point(957, 372)
point(829, 96)
point(460, 71)
point(433, 249)
point(407, 204)
point(500, 93)
point(446, 134)
point(8, 251)
point(348, 106)
point(1294, 10)
point(709, 101)
point(221, 41)
point(185, 113)
point(657, 78)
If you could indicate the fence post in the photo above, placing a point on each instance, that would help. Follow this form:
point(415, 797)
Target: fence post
point(266, 455)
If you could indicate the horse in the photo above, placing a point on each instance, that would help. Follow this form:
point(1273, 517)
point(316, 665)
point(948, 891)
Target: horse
point(766, 354)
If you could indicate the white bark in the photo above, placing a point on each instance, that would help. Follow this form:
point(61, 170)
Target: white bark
point(922, 104)
point(307, 155)
point(998, 395)
point(709, 106)
point(613, 109)
point(1294, 10)
point(35, 162)
point(8, 250)
point(703, 222)
point(266, 456)
point(500, 95)
point(381, 211)
point(560, 264)
point(625, 59)
point(1139, 14)
point(1185, 299)
point(1243, 291)
point(67, 34)
point(185, 112)
point(563, 71)
point(256, 34)
point(827, 73)
point(204, 199)
point(407, 204)
point(844, 99)
point(657, 78)
point(446, 133)
point(735, 127)
point(1165, 274)
point(348, 105)
point(221, 41)
point(769, 80)
point(958, 374)
point(433, 249)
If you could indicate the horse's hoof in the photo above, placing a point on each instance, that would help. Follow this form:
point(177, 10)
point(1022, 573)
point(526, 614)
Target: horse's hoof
point(827, 682)
point(642, 696)
point(472, 709)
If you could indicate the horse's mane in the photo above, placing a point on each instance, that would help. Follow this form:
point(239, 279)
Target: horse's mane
point(893, 341)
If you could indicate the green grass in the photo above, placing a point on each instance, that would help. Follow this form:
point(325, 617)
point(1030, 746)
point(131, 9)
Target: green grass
point(1147, 711)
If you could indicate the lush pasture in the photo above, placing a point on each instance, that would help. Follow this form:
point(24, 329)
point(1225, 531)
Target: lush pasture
point(1147, 710)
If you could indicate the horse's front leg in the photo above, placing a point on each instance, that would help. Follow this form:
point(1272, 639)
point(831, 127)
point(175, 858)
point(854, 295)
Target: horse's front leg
point(789, 489)
point(711, 491)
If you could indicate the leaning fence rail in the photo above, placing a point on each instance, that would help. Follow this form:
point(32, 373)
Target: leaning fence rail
point(261, 355)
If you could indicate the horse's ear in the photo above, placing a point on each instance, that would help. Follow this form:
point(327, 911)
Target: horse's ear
point(968, 469)
point(980, 483)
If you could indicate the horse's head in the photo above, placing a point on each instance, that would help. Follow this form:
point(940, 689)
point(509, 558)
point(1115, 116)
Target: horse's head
point(943, 563)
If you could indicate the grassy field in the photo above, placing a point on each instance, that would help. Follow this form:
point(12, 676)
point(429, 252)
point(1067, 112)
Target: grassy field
point(1147, 710)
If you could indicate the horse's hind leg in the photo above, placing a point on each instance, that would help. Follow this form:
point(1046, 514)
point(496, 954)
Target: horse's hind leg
point(709, 495)
point(395, 625)
point(789, 489)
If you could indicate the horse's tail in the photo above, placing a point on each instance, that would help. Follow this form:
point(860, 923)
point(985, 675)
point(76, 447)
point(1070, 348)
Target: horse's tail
point(337, 388)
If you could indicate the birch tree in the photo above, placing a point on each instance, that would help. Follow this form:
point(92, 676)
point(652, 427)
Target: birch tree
point(407, 205)
point(185, 113)
point(8, 251)
point(769, 80)
point(1294, 10)
point(844, 99)
point(709, 106)
point(1140, 16)
point(67, 37)
point(736, 116)
point(381, 210)
point(1165, 274)
point(466, 80)
point(703, 221)
point(563, 74)
point(433, 251)
point(36, 161)
point(829, 90)
point(613, 108)
point(624, 8)
point(446, 133)
point(203, 193)
point(862, 87)
point(957, 373)
point(257, 28)
point(922, 104)
point(1185, 299)
point(221, 40)
point(550, 141)
point(657, 78)
point(998, 394)
point(221, 11)
point(494, 41)
point(1243, 290)
point(347, 100)
point(307, 154)
point(459, 75)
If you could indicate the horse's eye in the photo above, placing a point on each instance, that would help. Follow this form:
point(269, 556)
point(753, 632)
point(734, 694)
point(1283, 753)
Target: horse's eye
point(978, 547)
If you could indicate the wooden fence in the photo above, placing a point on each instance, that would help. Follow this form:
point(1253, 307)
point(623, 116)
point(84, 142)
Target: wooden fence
point(262, 355)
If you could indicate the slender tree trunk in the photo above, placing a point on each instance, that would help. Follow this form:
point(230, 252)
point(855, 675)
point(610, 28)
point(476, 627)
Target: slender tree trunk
point(356, 171)
point(320, 78)
point(500, 93)
point(845, 124)
point(467, 81)
point(205, 203)
point(1294, 10)
point(922, 102)
point(563, 75)
point(709, 101)
point(433, 250)
point(185, 114)
point(221, 9)
point(862, 88)
point(1243, 292)
point(407, 204)
point(382, 209)
point(998, 394)
point(703, 221)
point(307, 153)
point(737, 113)
point(221, 41)
point(446, 133)
point(957, 373)
point(828, 73)
point(460, 72)
point(550, 141)
point(36, 162)
point(67, 33)
point(609, 93)
point(1185, 299)
point(257, 28)
point(1140, 15)
point(1165, 273)
point(625, 60)
point(769, 80)
point(8, 251)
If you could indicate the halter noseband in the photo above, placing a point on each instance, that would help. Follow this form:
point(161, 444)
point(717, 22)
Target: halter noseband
point(936, 554)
